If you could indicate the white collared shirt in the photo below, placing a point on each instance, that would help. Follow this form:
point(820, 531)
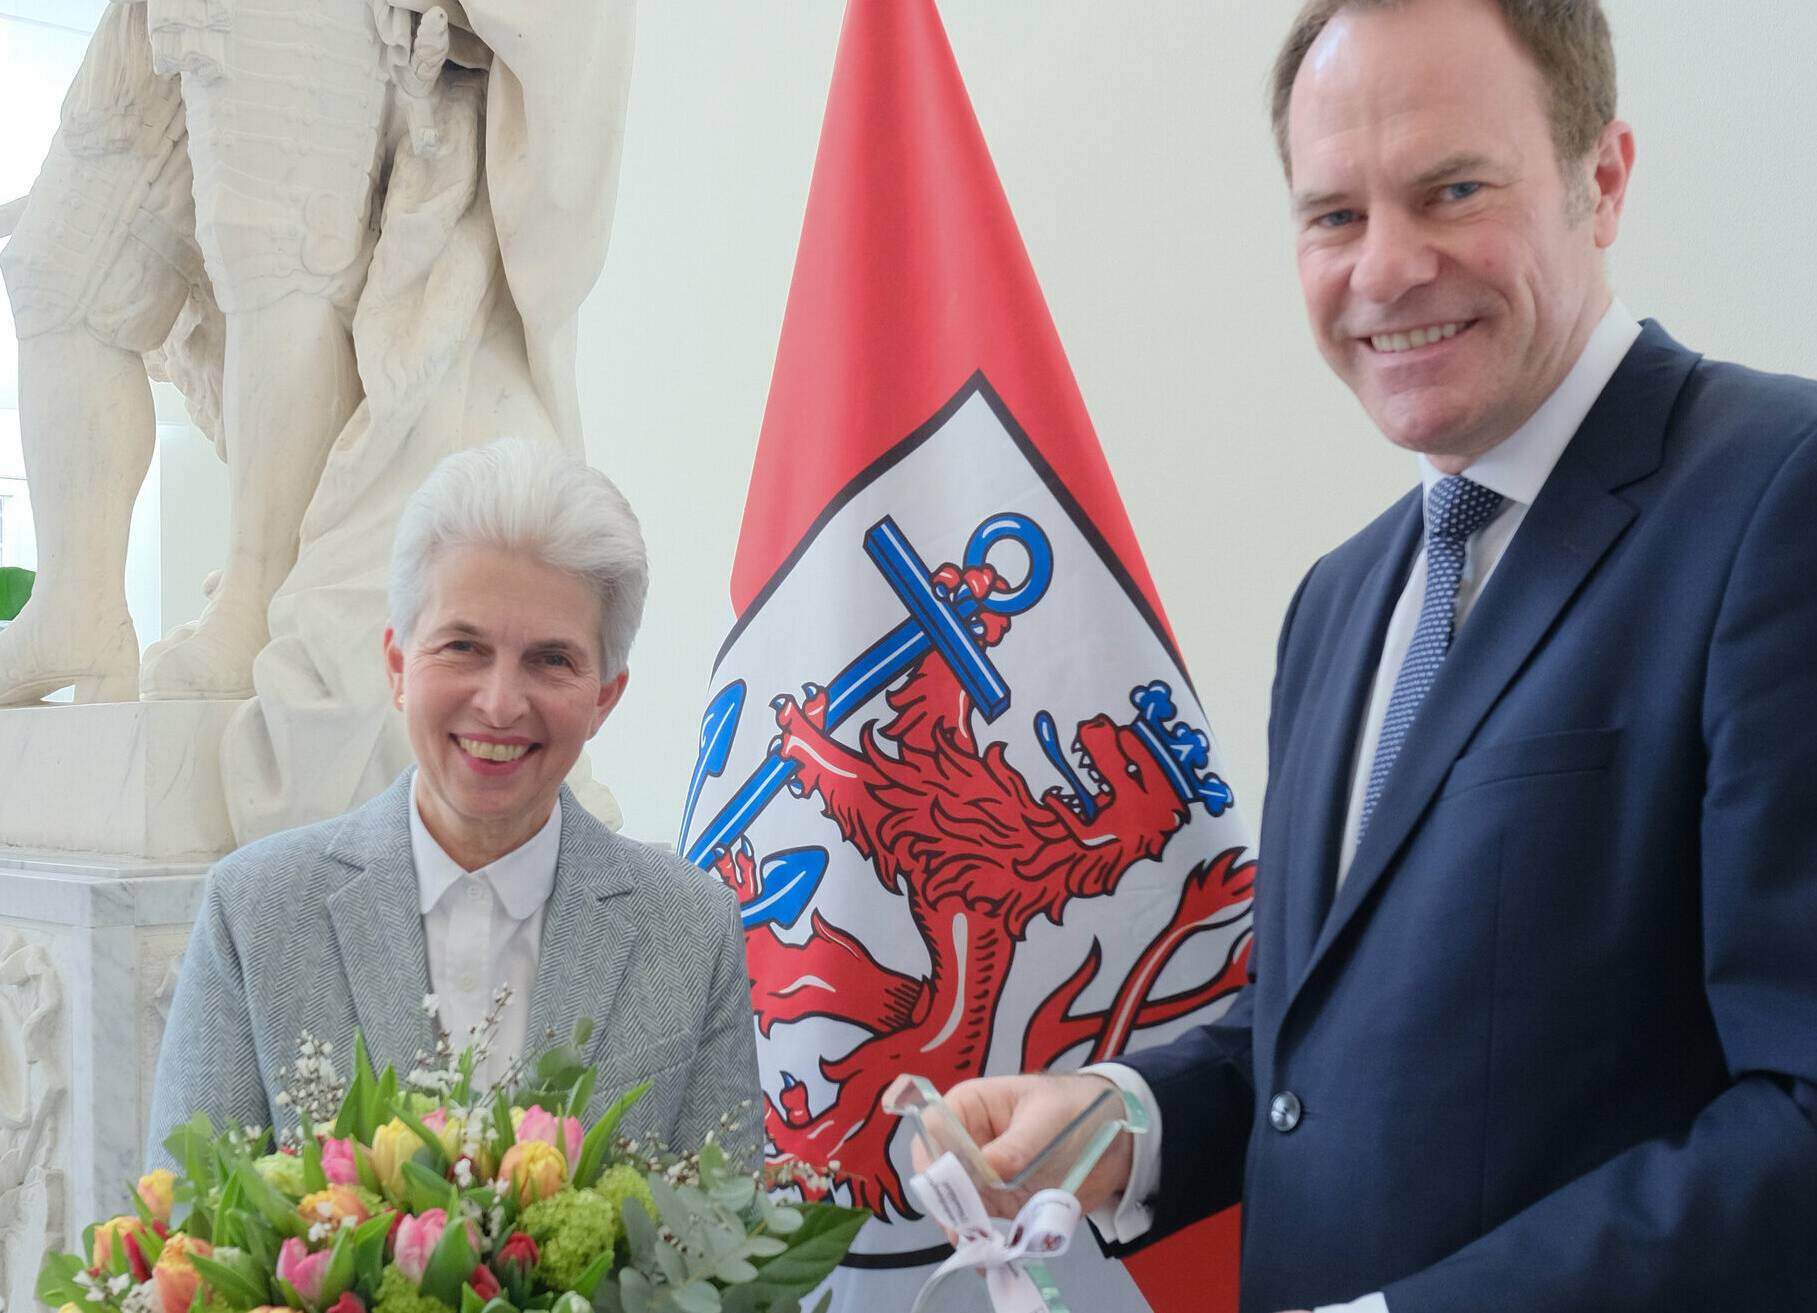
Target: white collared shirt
point(484, 929)
point(1517, 467)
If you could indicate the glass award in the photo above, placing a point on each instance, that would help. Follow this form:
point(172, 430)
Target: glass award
point(1038, 1198)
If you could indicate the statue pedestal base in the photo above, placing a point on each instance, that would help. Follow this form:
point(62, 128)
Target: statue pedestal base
point(89, 951)
point(109, 816)
point(135, 779)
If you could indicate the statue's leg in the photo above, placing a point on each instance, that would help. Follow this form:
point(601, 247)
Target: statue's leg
point(284, 132)
point(96, 277)
point(86, 424)
point(289, 387)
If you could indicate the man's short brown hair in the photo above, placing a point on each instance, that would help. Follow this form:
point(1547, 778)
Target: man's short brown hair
point(1568, 39)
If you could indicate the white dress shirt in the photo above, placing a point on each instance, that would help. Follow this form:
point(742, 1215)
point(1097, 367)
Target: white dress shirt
point(483, 929)
point(1517, 467)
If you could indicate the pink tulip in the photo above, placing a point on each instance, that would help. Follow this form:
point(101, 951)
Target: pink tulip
point(417, 1238)
point(338, 1162)
point(537, 1124)
point(302, 1269)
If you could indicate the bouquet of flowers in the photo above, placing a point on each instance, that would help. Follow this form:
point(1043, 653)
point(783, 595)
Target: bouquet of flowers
point(432, 1198)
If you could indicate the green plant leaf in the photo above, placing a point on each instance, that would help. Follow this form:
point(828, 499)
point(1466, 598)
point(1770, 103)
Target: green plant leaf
point(501, 1124)
point(438, 1156)
point(640, 1231)
point(588, 1284)
point(342, 1266)
point(314, 1178)
point(826, 1233)
point(229, 1284)
point(449, 1262)
point(424, 1189)
point(593, 1148)
point(636, 1289)
point(669, 1259)
point(15, 590)
point(269, 1203)
point(349, 1121)
point(57, 1279)
point(582, 1096)
point(696, 1297)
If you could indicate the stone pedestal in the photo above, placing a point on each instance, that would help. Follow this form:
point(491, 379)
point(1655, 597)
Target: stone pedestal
point(130, 779)
point(109, 816)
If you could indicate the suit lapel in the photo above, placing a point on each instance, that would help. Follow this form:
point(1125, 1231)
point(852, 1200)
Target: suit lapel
point(587, 933)
point(1569, 529)
point(1327, 732)
point(378, 928)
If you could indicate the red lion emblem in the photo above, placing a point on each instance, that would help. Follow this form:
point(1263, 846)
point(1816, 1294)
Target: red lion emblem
point(977, 857)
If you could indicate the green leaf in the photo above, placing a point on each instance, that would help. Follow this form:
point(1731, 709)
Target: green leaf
point(732, 1270)
point(449, 1262)
point(826, 1233)
point(369, 1251)
point(696, 1297)
point(636, 1289)
point(588, 1283)
point(342, 1267)
point(826, 1302)
point(57, 1279)
point(583, 1031)
point(15, 590)
point(470, 1300)
point(599, 1139)
point(369, 1175)
point(269, 1203)
point(151, 1246)
point(640, 1231)
point(497, 1304)
point(582, 1096)
point(259, 1241)
point(348, 1121)
point(229, 1283)
point(424, 1189)
point(290, 1293)
point(674, 1266)
point(501, 1124)
point(314, 1178)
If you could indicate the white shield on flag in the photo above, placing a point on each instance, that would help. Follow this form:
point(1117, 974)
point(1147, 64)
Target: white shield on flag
point(1033, 862)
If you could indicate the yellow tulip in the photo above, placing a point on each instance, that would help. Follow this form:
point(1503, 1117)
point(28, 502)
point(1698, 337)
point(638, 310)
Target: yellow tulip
point(157, 1189)
point(332, 1206)
point(109, 1233)
point(175, 1275)
point(533, 1169)
point(393, 1145)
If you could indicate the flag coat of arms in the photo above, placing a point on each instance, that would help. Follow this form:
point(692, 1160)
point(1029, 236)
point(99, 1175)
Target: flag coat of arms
point(951, 760)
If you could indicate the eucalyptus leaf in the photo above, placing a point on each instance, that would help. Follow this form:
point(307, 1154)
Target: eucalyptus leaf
point(672, 1262)
point(732, 1270)
point(699, 1297)
point(640, 1232)
point(635, 1290)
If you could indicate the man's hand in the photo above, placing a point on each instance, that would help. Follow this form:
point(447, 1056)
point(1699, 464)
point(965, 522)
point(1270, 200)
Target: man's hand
point(1012, 1117)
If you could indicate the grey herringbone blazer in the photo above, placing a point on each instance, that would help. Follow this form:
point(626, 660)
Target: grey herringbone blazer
point(320, 928)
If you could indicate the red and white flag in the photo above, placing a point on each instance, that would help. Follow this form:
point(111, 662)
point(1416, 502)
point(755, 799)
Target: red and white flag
point(952, 761)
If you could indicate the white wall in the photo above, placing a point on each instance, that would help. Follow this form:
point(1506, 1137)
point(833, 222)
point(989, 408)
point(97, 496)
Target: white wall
point(1133, 144)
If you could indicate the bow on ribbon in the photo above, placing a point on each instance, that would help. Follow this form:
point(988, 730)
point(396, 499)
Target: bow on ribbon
point(1010, 1258)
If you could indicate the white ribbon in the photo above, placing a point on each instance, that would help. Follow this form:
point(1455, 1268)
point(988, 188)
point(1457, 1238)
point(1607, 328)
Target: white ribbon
point(1042, 1229)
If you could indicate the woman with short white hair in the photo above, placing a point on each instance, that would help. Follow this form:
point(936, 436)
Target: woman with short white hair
point(517, 583)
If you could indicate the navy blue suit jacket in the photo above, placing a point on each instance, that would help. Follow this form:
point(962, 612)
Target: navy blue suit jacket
point(1555, 1041)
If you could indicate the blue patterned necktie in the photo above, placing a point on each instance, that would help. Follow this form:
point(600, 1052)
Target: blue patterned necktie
point(1455, 509)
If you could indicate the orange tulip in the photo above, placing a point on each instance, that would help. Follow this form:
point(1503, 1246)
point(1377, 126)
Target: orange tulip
point(176, 1275)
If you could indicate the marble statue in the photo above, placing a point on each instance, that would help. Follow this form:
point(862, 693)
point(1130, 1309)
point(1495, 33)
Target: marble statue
point(356, 234)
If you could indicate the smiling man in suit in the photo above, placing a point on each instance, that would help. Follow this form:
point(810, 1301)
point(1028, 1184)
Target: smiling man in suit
point(1532, 1022)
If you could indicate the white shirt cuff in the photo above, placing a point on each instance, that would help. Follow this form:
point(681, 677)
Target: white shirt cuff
point(1376, 1303)
point(1128, 1216)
